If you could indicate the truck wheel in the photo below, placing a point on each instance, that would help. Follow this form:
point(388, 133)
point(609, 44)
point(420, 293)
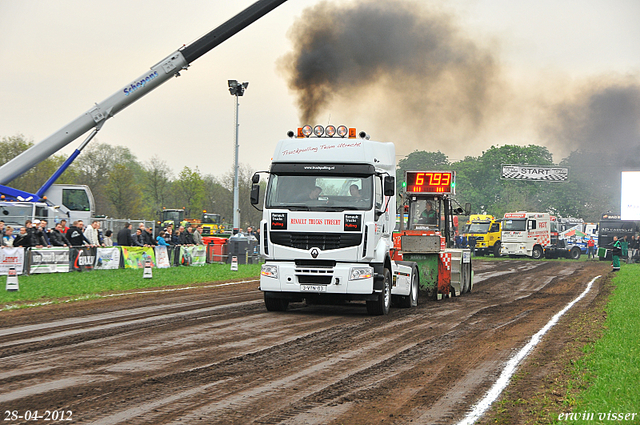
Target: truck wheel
point(496, 249)
point(381, 306)
point(275, 304)
point(537, 252)
point(411, 300)
point(575, 253)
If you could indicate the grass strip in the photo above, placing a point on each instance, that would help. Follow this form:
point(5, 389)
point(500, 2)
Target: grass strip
point(61, 286)
point(605, 386)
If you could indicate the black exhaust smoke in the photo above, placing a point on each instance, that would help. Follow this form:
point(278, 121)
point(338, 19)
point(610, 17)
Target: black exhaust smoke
point(414, 65)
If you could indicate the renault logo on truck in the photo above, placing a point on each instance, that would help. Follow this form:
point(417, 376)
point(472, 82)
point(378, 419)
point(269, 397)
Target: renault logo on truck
point(315, 252)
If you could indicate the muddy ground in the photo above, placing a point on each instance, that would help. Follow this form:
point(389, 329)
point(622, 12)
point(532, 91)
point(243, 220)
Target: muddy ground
point(214, 355)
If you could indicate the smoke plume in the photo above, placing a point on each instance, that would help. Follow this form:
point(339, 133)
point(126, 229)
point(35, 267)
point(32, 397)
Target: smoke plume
point(414, 76)
point(393, 60)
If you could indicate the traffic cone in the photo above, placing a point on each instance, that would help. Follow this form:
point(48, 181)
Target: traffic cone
point(12, 280)
point(234, 264)
point(148, 274)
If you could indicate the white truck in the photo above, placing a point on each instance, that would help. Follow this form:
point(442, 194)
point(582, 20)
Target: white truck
point(525, 233)
point(328, 217)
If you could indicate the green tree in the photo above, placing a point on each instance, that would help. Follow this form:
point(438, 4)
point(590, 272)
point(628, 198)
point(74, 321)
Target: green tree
point(124, 193)
point(157, 186)
point(249, 216)
point(96, 162)
point(189, 190)
point(218, 199)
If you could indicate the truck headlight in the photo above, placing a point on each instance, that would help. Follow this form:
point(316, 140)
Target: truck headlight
point(269, 271)
point(357, 273)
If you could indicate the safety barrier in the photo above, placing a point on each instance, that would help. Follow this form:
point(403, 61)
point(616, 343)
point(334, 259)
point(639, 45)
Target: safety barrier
point(66, 259)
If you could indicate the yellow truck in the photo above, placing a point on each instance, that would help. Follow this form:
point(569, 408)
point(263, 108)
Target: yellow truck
point(486, 231)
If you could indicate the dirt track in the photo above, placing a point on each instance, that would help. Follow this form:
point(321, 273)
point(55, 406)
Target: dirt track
point(215, 355)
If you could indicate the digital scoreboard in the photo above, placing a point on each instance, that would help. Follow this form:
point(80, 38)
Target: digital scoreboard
point(430, 182)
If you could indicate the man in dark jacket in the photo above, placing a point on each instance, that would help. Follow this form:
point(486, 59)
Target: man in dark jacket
point(23, 238)
point(56, 237)
point(148, 236)
point(186, 238)
point(75, 234)
point(124, 236)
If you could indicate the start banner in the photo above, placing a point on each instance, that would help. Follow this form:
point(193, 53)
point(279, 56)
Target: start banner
point(535, 173)
point(49, 260)
point(11, 257)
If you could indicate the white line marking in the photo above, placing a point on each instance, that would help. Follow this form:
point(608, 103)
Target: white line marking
point(511, 366)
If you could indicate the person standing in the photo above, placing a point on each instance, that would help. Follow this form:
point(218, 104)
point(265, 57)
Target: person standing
point(23, 238)
point(197, 236)
point(7, 239)
point(56, 237)
point(107, 241)
point(615, 254)
point(624, 248)
point(91, 233)
point(124, 236)
point(591, 248)
point(75, 234)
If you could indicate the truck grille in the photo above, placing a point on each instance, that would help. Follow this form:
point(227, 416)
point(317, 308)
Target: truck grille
point(323, 241)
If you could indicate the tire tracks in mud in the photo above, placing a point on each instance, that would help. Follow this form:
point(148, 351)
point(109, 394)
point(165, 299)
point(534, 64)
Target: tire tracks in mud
point(224, 359)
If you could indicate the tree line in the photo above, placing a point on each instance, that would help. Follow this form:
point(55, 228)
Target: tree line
point(124, 187)
point(593, 187)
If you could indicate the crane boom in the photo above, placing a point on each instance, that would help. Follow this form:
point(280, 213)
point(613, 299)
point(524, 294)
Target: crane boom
point(158, 74)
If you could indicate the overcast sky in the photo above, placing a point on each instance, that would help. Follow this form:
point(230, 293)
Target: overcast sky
point(60, 57)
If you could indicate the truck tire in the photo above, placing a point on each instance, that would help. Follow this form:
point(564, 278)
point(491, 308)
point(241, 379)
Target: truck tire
point(575, 253)
point(496, 249)
point(382, 305)
point(536, 254)
point(411, 300)
point(275, 304)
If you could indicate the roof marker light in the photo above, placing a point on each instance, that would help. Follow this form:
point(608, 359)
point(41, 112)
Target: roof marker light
point(330, 131)
point(318, 130)
point(343, 130)
point(307, 130)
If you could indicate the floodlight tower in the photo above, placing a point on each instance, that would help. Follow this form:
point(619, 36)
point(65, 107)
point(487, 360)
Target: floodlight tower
point(236, 89)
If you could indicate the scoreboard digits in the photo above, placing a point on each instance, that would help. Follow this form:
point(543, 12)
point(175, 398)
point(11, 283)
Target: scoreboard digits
point(427, 182)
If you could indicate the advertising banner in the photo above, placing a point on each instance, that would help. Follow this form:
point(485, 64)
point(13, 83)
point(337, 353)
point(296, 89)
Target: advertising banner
point(195, 255)
point(135, 256)
point(83, 258)
point(535, 173)
point(162, 257)
point(11, 257)
point(49, 260)
point(107, 258)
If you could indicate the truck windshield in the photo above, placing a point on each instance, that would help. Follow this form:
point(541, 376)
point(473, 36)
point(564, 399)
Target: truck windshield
point(210, 218)
point(479, 227)
point(514, 225)
point(319, 193)
point(76, 199)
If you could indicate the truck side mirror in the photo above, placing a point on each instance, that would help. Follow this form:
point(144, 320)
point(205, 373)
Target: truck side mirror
point(255, 179)
point(389, 186)
point(467, 208)
point(255, 193)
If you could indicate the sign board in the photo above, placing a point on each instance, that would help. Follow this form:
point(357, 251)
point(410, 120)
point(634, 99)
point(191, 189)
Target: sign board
point(430, 182)
point(535, 173)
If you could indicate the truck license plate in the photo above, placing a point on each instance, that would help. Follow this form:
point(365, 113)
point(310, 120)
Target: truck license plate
point(313, 288)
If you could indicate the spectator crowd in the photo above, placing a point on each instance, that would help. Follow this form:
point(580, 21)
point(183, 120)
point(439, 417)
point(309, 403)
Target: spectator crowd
point(36, 234)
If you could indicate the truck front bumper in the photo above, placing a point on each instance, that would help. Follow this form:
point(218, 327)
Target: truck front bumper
point(316, 280)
